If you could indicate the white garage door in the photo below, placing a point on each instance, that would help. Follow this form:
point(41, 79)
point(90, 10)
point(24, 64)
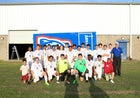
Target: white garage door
point(21, 36)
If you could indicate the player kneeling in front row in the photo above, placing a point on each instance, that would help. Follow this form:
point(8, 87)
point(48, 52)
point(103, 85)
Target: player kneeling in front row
point(108, 70)
point(24, 69)
point(63, 67)
point(80, 67)
point(50, 68)
point(98, 68)
point(37, 71)
point(89, 65)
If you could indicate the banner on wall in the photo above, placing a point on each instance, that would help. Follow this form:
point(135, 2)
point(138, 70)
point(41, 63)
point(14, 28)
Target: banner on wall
point(62, 38)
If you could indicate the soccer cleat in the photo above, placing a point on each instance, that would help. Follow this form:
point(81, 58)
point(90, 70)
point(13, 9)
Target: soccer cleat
point(57, 82)
point(28, 82)
point(94, 81)
point(112, 81)
point(74, 82)
point(68, 82)
point(46, 83)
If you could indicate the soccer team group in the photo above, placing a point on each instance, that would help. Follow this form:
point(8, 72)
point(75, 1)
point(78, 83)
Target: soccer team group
point(68, 63)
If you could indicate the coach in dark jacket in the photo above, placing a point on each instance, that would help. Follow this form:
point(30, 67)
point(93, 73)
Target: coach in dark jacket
point(117, 56)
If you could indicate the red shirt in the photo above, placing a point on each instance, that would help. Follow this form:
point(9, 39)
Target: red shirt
point(108, 67)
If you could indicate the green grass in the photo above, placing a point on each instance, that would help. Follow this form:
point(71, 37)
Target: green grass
point(126, 86)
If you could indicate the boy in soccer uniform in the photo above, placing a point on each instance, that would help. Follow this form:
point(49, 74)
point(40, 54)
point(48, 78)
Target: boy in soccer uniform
point(53, 52)
point(50, 68)
point(24, 69)
point(87, 51)
point(63, 67)
point(105, 53)
point(66, 48)
point(95, 53)
point(48, 51)
point(80, 66)
point(44, 55)
point(71, 56)
point(83, 47)
point(110, 47)
point(90, 64)
point(60, 51)
point(108, 70)
point(79, 51)
point(29, 57)
point(100, 47)
point(37, 71)
point(74, 48)
point(98, 68)
point(38, 53)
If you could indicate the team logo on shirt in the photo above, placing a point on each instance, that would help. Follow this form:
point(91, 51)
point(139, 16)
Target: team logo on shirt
point(44, 40)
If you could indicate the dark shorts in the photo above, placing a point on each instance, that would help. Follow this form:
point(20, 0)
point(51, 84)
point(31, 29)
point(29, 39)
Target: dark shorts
point(80, 74)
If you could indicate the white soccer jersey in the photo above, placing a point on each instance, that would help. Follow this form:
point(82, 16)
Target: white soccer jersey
point(45, 55)
point(24, 69)
point(70, 57)
point(66, 49)
point(54, 54)
point(29, 56)
point(74, 52)
point(78, 52)
point(59, 52)
point(83, 49)
point(105, 57)
point(37, 68)
point(38, 53)
point(50, 66)
point(90, 65)
point(99, 66)
point(110, 50)
point(49, 52)
point(99, 51)
point(83, 52)
point(95, 54)
point(87, 51)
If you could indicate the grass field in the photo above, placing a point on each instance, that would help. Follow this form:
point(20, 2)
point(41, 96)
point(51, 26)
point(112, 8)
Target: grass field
point(126, 86)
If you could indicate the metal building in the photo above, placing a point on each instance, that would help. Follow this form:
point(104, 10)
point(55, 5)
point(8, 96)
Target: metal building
point(111, 19)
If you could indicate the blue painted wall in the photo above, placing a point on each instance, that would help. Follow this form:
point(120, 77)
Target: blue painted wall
point(62, 38)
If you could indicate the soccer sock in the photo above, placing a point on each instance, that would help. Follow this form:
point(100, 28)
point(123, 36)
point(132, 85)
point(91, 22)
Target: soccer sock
point(107, 77)
point(86, 76)
point(57, 78)
point(74, 77)
point(46, 80)
point(112, 76)
point(95, 77)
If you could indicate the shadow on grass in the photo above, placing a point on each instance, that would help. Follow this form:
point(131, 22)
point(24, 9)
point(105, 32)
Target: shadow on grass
point(71, 91)
point(96, 92)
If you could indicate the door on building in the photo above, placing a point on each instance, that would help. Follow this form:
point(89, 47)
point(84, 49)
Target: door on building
point(19, 41)
point(123, 45)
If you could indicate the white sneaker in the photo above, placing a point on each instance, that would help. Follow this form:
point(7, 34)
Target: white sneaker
point(57, 82)
point(112, 81)
point(68, 82)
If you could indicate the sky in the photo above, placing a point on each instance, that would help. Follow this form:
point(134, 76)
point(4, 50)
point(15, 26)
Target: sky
point(66, 1)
